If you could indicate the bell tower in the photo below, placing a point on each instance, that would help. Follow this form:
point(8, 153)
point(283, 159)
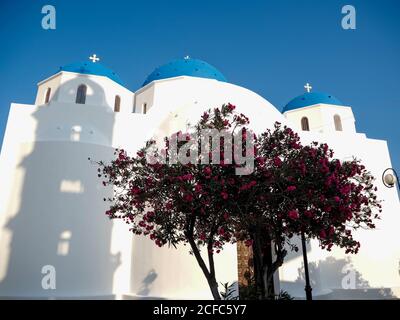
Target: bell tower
point(86, 83)
point(319, 112)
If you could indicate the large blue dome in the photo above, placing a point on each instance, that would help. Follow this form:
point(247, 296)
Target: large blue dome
point(311, 98)
point(92, 68)
point(185, 67)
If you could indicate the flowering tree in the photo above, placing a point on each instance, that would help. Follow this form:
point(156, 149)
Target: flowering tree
point(175, 202)
point(289, 190)
point(304, 190)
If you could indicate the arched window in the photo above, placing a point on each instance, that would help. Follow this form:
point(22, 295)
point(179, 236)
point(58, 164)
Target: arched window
point(144, 108)
point(117, 104)
point(304, 124)
point(81, 94)
point(338, 123)
point(47, 96)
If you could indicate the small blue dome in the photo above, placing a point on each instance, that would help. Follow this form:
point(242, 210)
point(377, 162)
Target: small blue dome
point(311, 98)
point(92, 68)
point(185, 67)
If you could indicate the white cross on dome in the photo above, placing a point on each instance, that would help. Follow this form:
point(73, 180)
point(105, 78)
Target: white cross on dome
point(94, 58)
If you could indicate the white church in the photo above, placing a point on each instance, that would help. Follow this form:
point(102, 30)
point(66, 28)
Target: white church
point(52, 220)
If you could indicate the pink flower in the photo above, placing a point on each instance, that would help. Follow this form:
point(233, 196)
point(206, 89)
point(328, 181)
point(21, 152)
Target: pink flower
point(260, 161)
point(169, 206)
point(188, 176)
point(322, 234)
point(135, 190)
point(248, 243)
point(207, 171)
point(158, 242)
point(291, 188)
point(336, 198)
point(248, 185)
point(295, 145)
point(252, 183)
point(309, 213)
point(224, 195)
point(198, 188)
point(277, 161)
point(231, 107)
point(142, 224)
point(345, 189)
point(324, 169)
point(349, 215)
point(293, 214)
point(121, 156)
point(188, 197)
point(150, 214)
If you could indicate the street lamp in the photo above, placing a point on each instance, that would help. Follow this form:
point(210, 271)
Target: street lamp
point(390, 177)
point(307, 288)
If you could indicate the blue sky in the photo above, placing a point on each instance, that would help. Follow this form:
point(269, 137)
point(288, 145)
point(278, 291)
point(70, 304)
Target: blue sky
point(270, 47)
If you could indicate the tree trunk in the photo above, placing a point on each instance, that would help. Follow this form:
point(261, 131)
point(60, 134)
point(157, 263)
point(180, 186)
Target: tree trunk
point(265, 266)
point(274, 266)
point(212, 283)
point(270, 292)
point(260, 284)
point(210, 276)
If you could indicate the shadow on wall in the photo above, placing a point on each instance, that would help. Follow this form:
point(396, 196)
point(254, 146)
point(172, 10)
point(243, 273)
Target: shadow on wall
point(144, 290)
point(246, 263)
point(60, 220)
point(335, 279)
point(292, 254)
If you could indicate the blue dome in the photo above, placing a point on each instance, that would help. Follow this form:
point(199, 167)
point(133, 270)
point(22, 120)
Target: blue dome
point(185, 67)
point(92, 68)
point(311, 98)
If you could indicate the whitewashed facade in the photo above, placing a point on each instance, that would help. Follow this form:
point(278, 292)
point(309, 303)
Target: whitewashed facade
point(51, 208)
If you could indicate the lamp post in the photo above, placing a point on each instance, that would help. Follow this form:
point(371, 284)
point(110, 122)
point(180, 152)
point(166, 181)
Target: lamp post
point(390, 177)
point(307, 288)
